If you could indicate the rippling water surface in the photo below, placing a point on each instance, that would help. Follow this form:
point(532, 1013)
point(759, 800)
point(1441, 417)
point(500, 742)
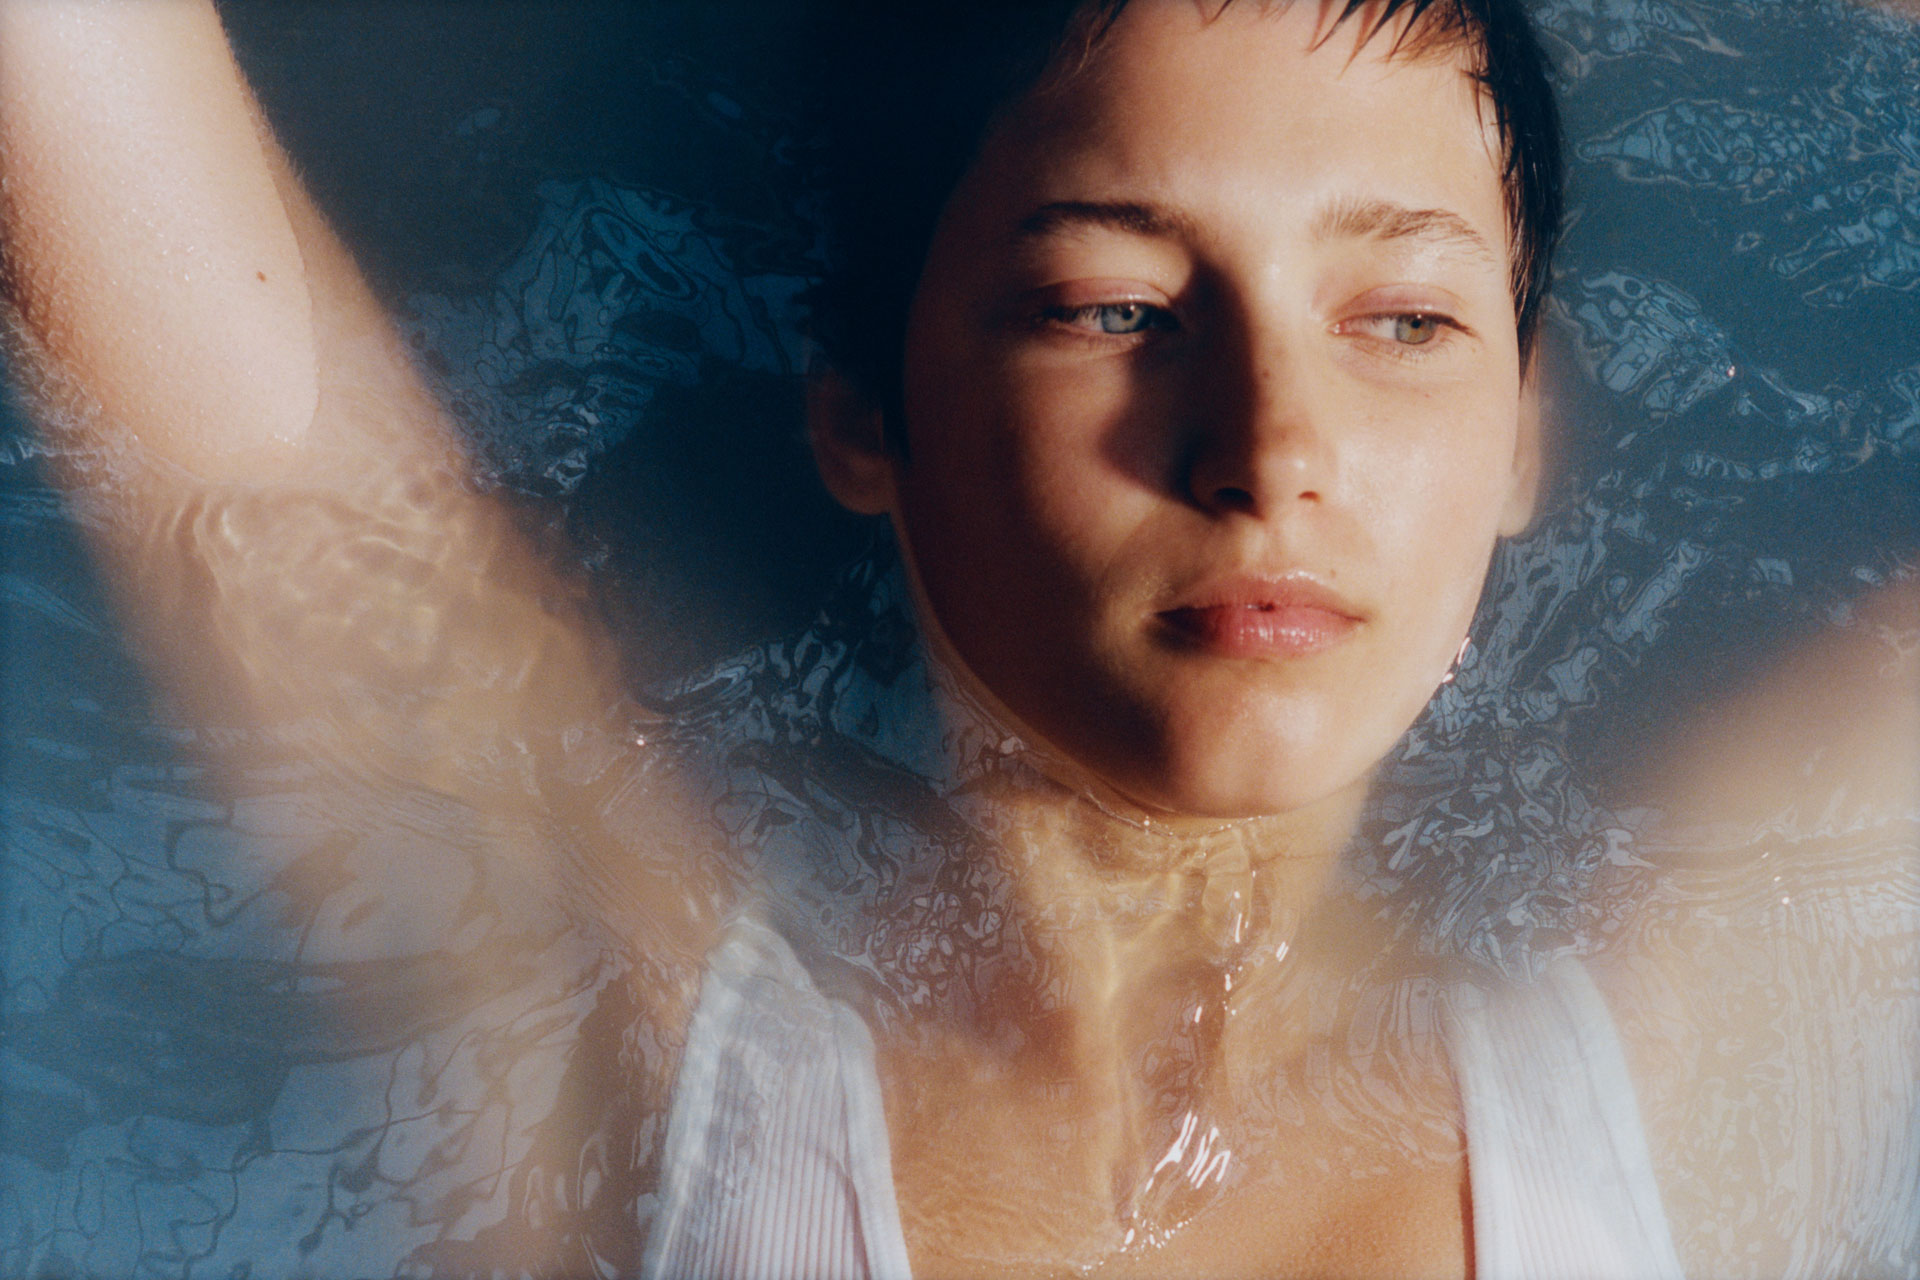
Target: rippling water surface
point(226, 1048)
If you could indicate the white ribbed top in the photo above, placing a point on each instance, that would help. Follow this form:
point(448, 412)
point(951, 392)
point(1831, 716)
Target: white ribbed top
point(1561, 1181)
point(777, 1161)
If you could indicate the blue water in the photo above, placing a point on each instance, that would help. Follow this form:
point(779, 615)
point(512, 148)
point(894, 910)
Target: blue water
point(203, 1078)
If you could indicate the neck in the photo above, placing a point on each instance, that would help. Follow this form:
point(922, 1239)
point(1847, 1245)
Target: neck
point(1067, 836)
point(1165, 985)
point(1065, 958)
point(1091, 899)
point(1117, 908)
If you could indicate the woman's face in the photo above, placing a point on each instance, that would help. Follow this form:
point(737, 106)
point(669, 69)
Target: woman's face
point(1214, 405)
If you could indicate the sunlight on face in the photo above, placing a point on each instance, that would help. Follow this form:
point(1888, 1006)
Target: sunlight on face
point(1213, 405)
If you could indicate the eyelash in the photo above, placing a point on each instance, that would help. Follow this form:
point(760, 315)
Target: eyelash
point(1448, 329)
point(1157, 319)
point(1081, 321)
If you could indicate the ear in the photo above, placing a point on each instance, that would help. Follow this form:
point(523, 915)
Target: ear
point(848, 433)
point(1523, 494)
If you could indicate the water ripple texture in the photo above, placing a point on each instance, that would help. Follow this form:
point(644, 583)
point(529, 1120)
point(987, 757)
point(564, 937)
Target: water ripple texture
point(219, 1060)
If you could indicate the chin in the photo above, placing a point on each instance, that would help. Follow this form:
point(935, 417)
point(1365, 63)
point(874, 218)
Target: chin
point(1254, 756)
point(1257, 784)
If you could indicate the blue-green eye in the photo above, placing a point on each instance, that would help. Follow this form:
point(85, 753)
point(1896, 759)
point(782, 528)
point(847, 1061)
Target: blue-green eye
point(1124, 317)
point(1118, 318)
point(1412, 330)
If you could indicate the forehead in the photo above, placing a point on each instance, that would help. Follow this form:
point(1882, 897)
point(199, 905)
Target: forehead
point(1254, 108)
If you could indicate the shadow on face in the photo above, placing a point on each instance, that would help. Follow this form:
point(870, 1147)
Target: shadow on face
point(1214, 407)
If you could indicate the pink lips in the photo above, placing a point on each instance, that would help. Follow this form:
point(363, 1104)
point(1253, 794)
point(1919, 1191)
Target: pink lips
point(1251, 617)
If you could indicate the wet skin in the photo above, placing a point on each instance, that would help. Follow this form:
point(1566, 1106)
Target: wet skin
point(1214, 407)
point(1214, 414)
point(1169, 453)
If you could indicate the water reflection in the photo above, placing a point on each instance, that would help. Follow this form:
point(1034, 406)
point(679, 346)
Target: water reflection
point(307, 1021)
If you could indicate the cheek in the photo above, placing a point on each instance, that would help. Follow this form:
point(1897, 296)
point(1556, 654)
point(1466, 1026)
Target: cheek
point(995, 530)
point(1438, 526)
point(1038, 467)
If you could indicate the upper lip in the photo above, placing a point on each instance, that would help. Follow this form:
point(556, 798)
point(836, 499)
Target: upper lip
point(1293, 589)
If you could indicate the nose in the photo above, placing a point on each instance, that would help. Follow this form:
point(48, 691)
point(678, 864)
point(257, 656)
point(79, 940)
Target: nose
point(1259, 438)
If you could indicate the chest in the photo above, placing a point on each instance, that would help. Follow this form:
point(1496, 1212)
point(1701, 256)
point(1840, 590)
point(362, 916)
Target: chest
point(1022, 1177)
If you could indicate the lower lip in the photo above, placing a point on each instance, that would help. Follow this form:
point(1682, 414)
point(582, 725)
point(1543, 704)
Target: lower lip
point(1260, 631)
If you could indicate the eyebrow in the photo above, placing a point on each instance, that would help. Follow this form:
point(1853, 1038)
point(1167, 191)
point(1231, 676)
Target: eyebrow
point(1130, 216)
point(1346, 219)
point(1387, 220)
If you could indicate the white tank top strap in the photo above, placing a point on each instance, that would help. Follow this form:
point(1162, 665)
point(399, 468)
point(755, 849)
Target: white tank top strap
point(1561, 1179)
point(776, 1164)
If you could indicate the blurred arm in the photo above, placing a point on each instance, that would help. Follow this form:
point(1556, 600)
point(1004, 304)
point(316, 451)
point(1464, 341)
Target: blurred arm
point(1765, 980)
point(289, 523)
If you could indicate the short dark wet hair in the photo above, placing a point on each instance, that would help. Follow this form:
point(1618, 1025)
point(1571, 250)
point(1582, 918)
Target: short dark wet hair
point(910, 89)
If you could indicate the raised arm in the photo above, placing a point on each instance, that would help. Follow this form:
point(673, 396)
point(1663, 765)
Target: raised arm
point(288, 521)
point(151, 245)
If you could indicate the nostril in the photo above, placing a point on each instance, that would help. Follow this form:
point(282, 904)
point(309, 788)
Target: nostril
point(1231, 498)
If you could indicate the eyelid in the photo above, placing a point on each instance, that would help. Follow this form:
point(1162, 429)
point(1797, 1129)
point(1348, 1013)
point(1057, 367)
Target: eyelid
point(1117, 292)
point(1054, 306)
point(1445, 341)
point(1406, 298)
point(1158, 317)
point(1445, 320)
